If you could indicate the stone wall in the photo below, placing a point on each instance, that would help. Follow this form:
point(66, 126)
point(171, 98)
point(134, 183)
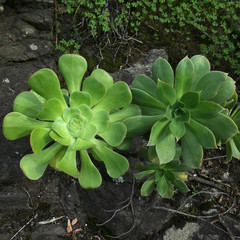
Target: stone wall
point(26, 45)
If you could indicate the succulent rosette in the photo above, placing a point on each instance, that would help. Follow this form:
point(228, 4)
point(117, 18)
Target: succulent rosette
point(162, 177)
point(86, 118)
point(187, 108)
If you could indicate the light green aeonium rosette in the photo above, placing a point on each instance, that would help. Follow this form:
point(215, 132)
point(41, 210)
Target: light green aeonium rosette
point(87, 116)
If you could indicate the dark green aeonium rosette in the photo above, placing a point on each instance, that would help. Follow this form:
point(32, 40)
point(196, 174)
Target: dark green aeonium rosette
point(62, 122)
point(188, 108)
point(162, 177)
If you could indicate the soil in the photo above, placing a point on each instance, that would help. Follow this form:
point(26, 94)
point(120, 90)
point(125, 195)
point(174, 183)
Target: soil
point(56, 207)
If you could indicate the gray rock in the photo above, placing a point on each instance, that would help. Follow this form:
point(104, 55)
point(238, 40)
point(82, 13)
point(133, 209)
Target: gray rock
point(25, 51)
point(186, 233)
point(48, 232)
point(41, 19)
point(142, 66)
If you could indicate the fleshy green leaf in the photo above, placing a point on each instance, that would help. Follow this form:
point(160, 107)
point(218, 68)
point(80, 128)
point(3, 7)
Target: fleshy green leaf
point(144, 174)
point(165, 93)
point(103, 77)
point(225, 91)
point(28, 104)
point(119, 95)
point(139, 125)
point(142, 98)
point(89, 175)
point(222, 126)
point(45, 82)
point(166, 147)
point(68, 164)
point(77, 98)
point(57, 158)
point(86, 112)
point(95, 89)
point(17, 125)
point(126, 144)
point(60, 127)
point(100, 120)
point(151, 111)
point(156, 131)
point(206, 109)
point(192, 151)
point(181, 186)
point(129, 111)
point(170, 191)
point(209, 84)
point(177, 128)
point(203, 134)
point(33, 166)
point(73, 68)
point(91, 131)
point(64, 141)
point(162, 186)
point(115, 163)
point(145, 83)
point(201, 67)
point(82, 144)
point(234, 148)
point(184, 76)
point(148, 187)
point(51, 110)
point(162, 70)
point(69, 113)
point(39, 139)
point(190, 99)
point(114, 134)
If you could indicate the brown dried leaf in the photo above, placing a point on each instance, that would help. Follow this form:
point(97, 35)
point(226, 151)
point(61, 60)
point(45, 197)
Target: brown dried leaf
point(74, 221)
point(69, 227)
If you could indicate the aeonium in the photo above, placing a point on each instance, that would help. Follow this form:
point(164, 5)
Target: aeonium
point(86, 117)
point(188, 108)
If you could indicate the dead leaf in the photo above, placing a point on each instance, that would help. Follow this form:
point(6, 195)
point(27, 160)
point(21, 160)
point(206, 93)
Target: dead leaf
point(74, 221)
point(77, 230)
point(69, 227)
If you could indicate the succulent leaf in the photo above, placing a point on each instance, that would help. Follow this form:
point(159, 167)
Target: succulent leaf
point(89, 174)
point(39, 138)
point(114, 134)
point(17, 125)
point(115, 163)
point(210, 84)
point(45, 83)
point(95, 88)
point(73, 68)
point(51, 110)
point(117, 96)
point(148, 187)
point(165, 93)
point(77, 98)
point(162, 70)
point(184, 76)
point(145, 83)
point(33, 166)
point(28, 104)
point(103, 77)
point(201, 67)
point(68, 164)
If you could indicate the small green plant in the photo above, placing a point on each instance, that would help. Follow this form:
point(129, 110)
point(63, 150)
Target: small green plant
point(68, 46)
point(164, 176)
point(63, 122)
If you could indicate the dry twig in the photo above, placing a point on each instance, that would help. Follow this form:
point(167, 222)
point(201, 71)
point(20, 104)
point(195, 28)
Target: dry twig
point(130, 203)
